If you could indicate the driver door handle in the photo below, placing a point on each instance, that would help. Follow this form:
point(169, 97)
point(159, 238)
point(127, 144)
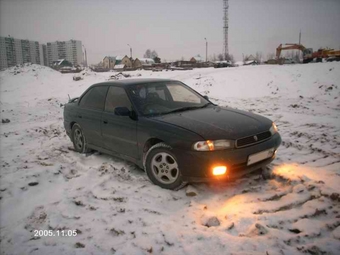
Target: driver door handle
point(105, 121)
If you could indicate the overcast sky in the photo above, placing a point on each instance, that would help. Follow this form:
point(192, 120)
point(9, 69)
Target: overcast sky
point(175, 29)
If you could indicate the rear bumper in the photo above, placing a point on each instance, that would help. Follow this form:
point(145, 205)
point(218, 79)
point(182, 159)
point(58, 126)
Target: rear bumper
point(197, 166)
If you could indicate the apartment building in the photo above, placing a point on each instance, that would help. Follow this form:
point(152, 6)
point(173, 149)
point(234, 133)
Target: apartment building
point(70, 50)
point(17, 51)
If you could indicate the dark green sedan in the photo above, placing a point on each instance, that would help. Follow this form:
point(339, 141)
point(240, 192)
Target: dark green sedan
point(171, 131)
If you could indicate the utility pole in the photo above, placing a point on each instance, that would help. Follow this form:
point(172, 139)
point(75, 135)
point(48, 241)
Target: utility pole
point(206, 50)
point(130, 51)
point(300, 37)
point(225, 28)
point(299, 43)
point(85, 60)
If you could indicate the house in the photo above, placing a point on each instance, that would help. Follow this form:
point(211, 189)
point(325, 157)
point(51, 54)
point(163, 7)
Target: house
point(250, 58)
point(109, 62)
point(223, 63)
point(137, 64)
point(250, 62)
point(271, 62)
point(196, 59)
point(147, 62)
point(182, 65)
point(124, 61)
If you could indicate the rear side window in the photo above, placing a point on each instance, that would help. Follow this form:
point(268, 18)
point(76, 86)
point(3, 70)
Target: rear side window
point(94, 98)
point(116, 97)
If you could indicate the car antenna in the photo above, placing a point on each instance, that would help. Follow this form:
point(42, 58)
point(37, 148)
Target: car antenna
point(69, 98)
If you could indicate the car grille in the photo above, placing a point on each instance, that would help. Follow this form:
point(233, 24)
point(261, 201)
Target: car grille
point(250, 140)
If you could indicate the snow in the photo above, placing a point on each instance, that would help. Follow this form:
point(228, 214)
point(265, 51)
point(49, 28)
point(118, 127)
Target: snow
point(45, 185)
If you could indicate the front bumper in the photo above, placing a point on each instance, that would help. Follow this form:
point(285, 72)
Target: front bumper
point(197, 166)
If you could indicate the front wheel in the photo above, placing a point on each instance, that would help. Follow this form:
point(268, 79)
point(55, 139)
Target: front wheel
point(78, 139)
point(162, 167)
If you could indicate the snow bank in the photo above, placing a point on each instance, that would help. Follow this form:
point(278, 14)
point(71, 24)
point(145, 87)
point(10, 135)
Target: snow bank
point(114, 208)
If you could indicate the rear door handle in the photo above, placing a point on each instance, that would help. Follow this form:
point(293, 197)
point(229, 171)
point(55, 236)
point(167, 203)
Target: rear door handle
point(105, 121)
point(79, 116)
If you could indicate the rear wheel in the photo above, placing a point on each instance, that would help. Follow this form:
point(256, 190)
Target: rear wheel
point(162, 167)
point(78, 139)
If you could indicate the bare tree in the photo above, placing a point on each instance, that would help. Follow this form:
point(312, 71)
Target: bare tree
point(258, 57)
point(270, 56)
point(290, 54)
point(157, 60)
point(150, 54)
point(230, 58)
point(154, 54)
point(297, 57)
point(147, 54)
point(245, 58)
point(220, 57)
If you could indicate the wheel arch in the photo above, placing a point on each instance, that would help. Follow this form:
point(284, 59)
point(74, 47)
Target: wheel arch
point(72, 123)
point(150, 144)
point(71, 126)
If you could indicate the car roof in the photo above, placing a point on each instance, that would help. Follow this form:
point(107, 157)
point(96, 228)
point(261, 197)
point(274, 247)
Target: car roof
point(127, 82)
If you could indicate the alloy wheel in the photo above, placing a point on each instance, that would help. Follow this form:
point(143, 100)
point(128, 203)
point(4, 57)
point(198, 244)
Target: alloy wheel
point(164, 168)
point(78, 139)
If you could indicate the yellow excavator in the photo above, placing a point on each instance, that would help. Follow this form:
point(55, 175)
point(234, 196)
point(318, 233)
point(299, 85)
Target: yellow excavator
point(308, 54)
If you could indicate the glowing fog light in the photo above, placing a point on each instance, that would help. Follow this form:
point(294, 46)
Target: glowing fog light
point(219, 170)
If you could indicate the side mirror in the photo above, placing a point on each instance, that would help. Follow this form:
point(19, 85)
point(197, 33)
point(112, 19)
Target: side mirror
point(122, 111)
point(206, 97)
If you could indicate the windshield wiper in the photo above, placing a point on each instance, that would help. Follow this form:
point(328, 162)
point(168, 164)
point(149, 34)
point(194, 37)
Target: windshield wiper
point(187, 108)
point(206, 105)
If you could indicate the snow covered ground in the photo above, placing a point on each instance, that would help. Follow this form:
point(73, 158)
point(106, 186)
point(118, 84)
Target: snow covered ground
point(115, 209)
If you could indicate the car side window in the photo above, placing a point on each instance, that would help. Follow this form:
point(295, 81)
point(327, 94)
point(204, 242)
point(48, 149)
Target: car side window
point(116, 97)
point(94, 98)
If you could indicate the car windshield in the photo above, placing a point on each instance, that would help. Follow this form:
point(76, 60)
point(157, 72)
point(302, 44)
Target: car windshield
point(165, 97)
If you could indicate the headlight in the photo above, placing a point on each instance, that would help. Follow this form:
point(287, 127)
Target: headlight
point(273, 129)
point(212, 145)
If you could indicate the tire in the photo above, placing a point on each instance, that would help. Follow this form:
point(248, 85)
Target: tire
point(162, 167)
point(78, 139)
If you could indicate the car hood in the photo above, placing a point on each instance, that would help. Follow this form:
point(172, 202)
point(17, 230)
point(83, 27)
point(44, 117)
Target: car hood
point(216, 122)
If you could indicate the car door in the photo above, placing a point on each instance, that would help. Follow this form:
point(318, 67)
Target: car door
point(119, 132)
point(89, 114)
